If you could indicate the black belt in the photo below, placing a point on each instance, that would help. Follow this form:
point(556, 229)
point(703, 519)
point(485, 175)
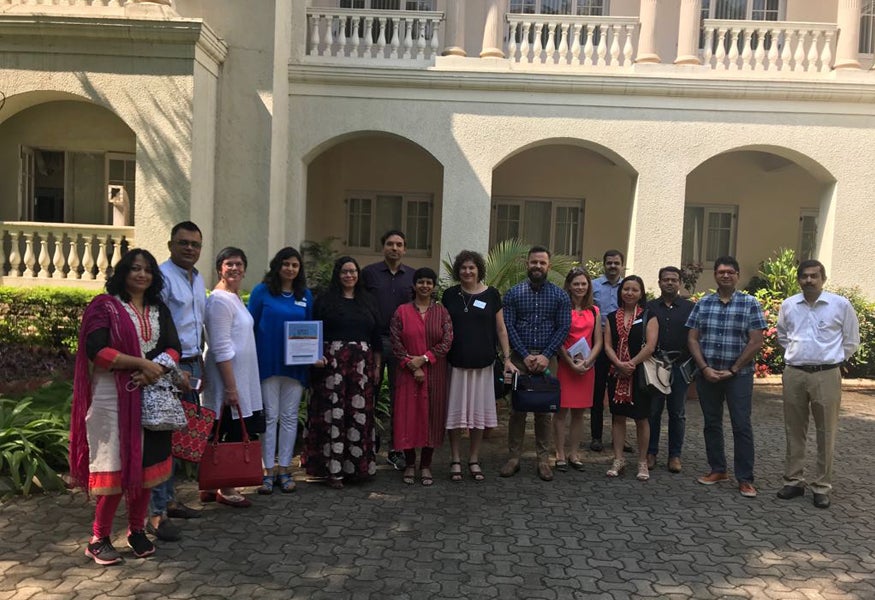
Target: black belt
point(814, 368)
point(190, 360)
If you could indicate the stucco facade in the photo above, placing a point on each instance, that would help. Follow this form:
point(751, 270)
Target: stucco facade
point(279, 121)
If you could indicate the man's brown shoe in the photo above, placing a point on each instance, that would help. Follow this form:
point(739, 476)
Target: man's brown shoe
point(510, 468)
point(712, 478)
point(651, 461)
point(674, 464)
point(545, 472)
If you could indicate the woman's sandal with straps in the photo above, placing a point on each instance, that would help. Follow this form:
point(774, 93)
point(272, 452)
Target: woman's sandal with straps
point(455, 475)
point(286, 483)
point(478, 473)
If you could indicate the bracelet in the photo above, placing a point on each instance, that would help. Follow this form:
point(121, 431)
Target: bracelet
point(230, 390)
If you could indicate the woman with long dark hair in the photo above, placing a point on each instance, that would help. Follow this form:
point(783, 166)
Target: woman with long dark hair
point(111, 454)
point(282, 296)
point(340, 436)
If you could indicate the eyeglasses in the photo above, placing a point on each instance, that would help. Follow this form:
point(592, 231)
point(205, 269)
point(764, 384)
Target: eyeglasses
point(348, 272)
point(188, 244)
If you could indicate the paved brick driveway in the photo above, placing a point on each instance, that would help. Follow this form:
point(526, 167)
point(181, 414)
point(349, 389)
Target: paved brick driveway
point(581, 536)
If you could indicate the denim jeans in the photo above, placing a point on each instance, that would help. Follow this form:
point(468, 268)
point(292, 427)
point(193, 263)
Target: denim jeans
point(737, 392)
point(677, 419)
point(165, 493)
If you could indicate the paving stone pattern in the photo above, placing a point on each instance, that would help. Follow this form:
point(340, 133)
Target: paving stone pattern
point(580, 536)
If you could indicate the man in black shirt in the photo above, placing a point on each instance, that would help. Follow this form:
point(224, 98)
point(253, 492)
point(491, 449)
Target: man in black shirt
point(672, 312)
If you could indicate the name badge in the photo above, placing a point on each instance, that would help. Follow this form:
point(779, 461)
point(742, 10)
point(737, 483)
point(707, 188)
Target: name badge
point(479, 304)
point(301, 303)
point(636, 321)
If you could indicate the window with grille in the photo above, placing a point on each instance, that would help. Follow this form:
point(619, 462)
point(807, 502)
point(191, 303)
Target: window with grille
point(867, 27)
point(370, 214)
point(554, 223)
point(709, 233)
point(589, 8)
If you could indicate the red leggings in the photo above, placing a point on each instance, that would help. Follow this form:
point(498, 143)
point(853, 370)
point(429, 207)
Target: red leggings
point(137, 505)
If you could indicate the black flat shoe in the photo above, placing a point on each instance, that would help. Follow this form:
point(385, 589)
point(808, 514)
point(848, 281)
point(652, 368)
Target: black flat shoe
point(561, 466)
point(791, 491)
point(821, 500)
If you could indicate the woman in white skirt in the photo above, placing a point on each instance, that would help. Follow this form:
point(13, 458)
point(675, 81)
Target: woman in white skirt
point(478, 326)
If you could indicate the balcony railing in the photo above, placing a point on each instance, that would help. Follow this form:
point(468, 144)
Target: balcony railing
point(60, 251)
point(382, 35)
point(769, 46)
point(606, 42)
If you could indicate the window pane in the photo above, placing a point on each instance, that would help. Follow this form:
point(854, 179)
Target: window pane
point(418, 226)
point(867, 28)
point(522, 6)
point(536, 223)
point(555, 7)
point(385, 4)
point(719, 235)
point(691, 250)
point(507, 222)
point(567, 227)
point(359, 228)
point(388, 217)
point(730, 9)
point(591, 8)
point(808, 243)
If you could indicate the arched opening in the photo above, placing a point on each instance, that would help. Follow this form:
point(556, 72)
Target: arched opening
point(568, 195)
point(368, 183)
point(750, 202)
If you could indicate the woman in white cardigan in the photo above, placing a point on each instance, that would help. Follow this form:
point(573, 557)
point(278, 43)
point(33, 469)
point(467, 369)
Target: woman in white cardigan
point(231, 364)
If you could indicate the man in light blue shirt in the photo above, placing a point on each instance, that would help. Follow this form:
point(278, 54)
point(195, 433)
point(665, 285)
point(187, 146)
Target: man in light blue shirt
point(185, 295)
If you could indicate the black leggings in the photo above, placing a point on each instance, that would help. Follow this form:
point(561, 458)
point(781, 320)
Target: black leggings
point(425, 459)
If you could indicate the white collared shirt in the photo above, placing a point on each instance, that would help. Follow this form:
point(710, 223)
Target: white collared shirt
point(827, 333)
point(187, 303)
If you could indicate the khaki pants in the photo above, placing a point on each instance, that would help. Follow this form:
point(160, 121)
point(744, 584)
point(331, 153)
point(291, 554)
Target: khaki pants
point(516, 425)
point(819, 393)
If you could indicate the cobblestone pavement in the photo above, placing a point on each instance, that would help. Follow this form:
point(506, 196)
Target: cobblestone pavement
point(580, 536)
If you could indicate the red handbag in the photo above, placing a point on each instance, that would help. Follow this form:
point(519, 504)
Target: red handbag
point(230, 464)
point(189, 443)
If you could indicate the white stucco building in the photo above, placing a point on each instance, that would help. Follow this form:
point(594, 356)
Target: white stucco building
point(674, 130)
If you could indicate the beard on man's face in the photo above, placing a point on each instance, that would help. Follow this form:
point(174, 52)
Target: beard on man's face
point(536, 275)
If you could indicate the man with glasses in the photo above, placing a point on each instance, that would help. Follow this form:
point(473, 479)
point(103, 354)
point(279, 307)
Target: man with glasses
point(726, 332)
point(185, 295)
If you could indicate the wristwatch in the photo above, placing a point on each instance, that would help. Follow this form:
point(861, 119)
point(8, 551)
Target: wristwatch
point(425, 358)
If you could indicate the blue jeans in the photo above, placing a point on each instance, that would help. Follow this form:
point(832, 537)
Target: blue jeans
point(738, 393)
point(677, 419)
point(165, 493)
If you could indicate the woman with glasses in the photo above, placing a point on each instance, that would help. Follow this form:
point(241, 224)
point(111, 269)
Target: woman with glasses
point(340, 438)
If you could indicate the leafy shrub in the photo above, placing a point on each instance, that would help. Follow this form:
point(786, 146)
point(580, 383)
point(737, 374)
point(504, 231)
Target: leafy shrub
point(42, 316)
point(33, 444)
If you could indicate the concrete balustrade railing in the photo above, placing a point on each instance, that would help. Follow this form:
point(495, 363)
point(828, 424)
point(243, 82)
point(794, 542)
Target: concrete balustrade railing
point(59, 251)
point(383, 35)
point(769, 46)
point(600, 42)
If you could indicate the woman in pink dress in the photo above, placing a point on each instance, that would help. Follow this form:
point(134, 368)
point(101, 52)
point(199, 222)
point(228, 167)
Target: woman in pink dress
point(422, 334)
point(575, 372)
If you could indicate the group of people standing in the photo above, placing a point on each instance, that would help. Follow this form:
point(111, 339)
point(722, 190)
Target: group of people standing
point(441, 361)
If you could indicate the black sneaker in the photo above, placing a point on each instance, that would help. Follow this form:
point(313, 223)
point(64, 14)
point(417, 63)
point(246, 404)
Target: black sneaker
point(166, 531)
point(103, 552)
point(181, 511)
point(140, 544)
point(596, 445)
point(396, 459)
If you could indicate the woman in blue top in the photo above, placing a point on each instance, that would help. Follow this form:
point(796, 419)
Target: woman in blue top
point(282, 296)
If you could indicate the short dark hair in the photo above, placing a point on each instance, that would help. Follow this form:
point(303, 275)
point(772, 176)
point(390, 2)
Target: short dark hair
point(728, 261)
point(613, 252)
point(573, 274)
point(390, 233)
point(425, 273)
point(469, 256)
point(188, 226)
point(272, 277)
point(807, 264)
point(230, 252)
point(117, 286)
point(537, 250)
point(669, 270)
point(642, 301)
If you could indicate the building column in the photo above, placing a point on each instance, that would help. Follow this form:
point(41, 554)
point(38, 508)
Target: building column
point(847, 49)
point(688, 33)
point(493, 29)
point(466, 205)
point(646, 37)
point(455, 29)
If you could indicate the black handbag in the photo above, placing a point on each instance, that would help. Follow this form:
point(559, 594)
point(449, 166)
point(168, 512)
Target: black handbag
point(535, 393)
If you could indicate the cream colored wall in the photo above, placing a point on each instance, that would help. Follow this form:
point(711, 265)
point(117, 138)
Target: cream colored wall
point(60, 125)
point(769, 201)
point(571, 172)
point(369, 163)
point(819, 11)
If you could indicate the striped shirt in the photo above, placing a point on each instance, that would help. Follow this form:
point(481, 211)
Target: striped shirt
point(724, 328)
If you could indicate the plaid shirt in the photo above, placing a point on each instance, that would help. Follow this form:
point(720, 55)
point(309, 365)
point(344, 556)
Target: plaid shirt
point(537, 320)
point(724, 328)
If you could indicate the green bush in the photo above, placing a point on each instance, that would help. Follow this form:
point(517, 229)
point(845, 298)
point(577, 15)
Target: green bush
point(33, 444)
point(42, 316)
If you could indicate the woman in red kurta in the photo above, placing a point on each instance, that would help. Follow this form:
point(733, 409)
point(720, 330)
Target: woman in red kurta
point(422, 334)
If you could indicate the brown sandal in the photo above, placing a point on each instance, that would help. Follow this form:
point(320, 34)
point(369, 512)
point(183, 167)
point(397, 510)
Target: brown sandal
point(478, 474)
point(454, 474)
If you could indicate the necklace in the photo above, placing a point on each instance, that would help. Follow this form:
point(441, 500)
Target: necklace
point(467, 297)
point(287, 294)
point(144, 321)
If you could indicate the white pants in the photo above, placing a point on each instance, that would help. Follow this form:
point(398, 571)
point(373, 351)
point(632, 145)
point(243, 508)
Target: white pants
point(282, 398)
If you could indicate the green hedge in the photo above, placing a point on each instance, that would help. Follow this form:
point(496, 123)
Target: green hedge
point(42, 316)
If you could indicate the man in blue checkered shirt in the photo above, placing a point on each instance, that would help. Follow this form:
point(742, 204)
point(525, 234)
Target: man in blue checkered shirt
point(537, 314)
point(726, 332)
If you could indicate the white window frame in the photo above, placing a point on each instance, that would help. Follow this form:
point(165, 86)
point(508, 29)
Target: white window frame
point(369, 4)
point(709, 209)
point(107, 181)
point(807, 213)
point(709, 7)
point(867, 24)
point(407, 198)
point(555, 203)
point(26, 183)
point(519, 7)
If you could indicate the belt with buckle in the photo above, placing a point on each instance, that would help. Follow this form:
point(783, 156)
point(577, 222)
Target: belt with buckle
point(814, 368)
point(190, 360)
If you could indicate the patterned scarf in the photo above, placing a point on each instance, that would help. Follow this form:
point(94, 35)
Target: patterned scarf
point(106, 312)
point(625, 384)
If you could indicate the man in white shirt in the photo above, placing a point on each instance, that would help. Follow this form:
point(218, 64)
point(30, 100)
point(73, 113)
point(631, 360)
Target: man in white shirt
point(818, 331)
point(185, 294)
